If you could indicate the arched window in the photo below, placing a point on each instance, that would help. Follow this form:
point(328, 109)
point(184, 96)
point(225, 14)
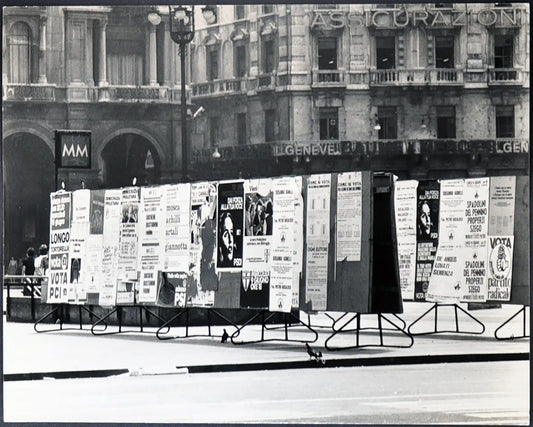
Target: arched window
point(20, 48)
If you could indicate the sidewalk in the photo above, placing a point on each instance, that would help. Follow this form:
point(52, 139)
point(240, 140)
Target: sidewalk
point(77, 353)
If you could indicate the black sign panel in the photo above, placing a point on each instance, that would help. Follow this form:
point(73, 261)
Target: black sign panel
point(73, 149)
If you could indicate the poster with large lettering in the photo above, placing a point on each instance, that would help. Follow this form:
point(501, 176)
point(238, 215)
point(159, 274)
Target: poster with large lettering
point(405, 216)
point(447, 282)
point(177, 226)
point(151, 241)
point(230, 225)
point(257, 253)
point(111, 240)
point(94, 246)
point(501, 240)
point(59, 271)
point(202, 281)
point(280, 298)
point(128, 248)
point(298, 243)
point(475, 244)
point(172, 288)
point(349, 216)
point(427, 234)
point(79, 232)
point(317, 232)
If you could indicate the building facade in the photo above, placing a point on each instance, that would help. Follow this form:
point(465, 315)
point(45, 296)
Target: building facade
point(423, 90)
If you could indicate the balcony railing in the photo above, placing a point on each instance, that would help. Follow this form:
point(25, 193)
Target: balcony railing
point(328, 77)
point(266, 81)
point(436, 76)
point(505, 76)
point(29, 92)
point(220, 87)
point(133, 93)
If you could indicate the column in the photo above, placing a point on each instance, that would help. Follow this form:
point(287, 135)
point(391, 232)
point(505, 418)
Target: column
point(152, 52)
point(168, 57)
point(42, 50)
point(102, 55)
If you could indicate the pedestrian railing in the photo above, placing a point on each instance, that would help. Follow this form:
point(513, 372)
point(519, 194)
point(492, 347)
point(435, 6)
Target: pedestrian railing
point(22, 287)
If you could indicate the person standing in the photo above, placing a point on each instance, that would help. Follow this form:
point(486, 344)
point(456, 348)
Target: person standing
point(41, 262)
point(28, 263)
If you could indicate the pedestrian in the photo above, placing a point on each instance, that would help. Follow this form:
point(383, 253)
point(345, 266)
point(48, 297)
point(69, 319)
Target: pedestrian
point(28, 263)
point(12, 266)
point(41, 262)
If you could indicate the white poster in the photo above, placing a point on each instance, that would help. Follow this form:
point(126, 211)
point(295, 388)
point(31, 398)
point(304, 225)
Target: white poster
point(298, 244)
point(282, 245)
point(127, 259)
point(349, 216)
point(501, 209)
point(59, 271)
point(112, 221)
point(475, 243)
point(94, 246)
point(177, 227)
point(151, 242)
point(79, 232)
point(405, 216)
point(446, 282)
point(317, 276)
point(500, 261)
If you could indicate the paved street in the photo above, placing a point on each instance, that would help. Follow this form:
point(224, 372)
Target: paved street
point(464, 393)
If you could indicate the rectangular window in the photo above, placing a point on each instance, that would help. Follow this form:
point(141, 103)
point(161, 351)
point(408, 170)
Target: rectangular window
point(240, 61)
point(270, 118)
point(326, 6)
point(268, 8)
point(385, 53)
point(327, 53)
point(388, 123)
point(239, 11)
point(505, 121)
point(241, 128)
point(269, 55)
point(214, 131)
point(385, 6)
point(503, 51)
point(443, 5)
point(329, 123)
point(444, 46)
point(212, 64)
point(446, 122)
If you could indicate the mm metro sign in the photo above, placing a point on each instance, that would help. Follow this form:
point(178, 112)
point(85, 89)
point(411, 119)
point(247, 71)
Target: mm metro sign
point(73, 149)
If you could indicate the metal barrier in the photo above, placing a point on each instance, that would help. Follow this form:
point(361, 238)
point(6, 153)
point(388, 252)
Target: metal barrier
point(28, 286)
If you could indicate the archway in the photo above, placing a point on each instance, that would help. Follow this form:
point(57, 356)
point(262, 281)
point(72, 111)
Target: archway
point(28, 181)
point(129, 156)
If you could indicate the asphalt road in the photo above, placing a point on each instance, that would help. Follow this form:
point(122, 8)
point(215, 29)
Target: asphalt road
point(463, 393)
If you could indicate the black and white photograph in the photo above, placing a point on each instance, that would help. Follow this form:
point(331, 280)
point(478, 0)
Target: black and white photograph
point(266, 213)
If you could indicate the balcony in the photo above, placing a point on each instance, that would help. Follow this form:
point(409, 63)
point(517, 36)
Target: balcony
point(505, 76)
point(266, 81)
point(28, 92)
point(328, 78)
point(133, 93)
point(220, 87)
point(403, 77)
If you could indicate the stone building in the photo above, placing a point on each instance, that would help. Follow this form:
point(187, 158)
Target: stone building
point(424, 90)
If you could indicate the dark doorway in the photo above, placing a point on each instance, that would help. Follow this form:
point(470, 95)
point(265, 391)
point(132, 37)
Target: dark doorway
point(130, 156)
point(28, 165)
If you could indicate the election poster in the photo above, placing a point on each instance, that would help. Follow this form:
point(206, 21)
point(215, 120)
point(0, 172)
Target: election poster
point(447, 282)
point(151, 243)
point(427, 234)
point(298, 241)
point(280, 298)
point(176, 226)
point(257, 253)
point(59, 271)
point(230, 224)
point(79, 232)
point(111, 238)
point(501, 208)
point(349, 216)
point(172, 289)
point(475, 243)
point(317, 232)
point(128, 248)
point(202, 282)
point(94, 246)
point(405, 216)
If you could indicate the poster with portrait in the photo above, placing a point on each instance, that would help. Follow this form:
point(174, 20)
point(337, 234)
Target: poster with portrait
point(79, 232)
point(110, 250)
point(151, 247)
point(447, 281)
point(257, 253)
point(475, 242)
point(318, 233)
point(176, 226)
point(427, 234)
point(128, 247)
point(203, 281)
point(405, 217)
point(298, 241)
point(281, 276)
point(94, 246)
point(172, 288)
point(230, 225)
point(349, 216)
point(59, 248)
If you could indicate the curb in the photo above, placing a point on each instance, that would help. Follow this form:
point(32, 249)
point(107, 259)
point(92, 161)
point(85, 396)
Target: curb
point(332, 363)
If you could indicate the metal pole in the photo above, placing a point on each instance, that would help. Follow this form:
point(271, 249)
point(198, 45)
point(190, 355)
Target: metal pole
point(183, 106)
